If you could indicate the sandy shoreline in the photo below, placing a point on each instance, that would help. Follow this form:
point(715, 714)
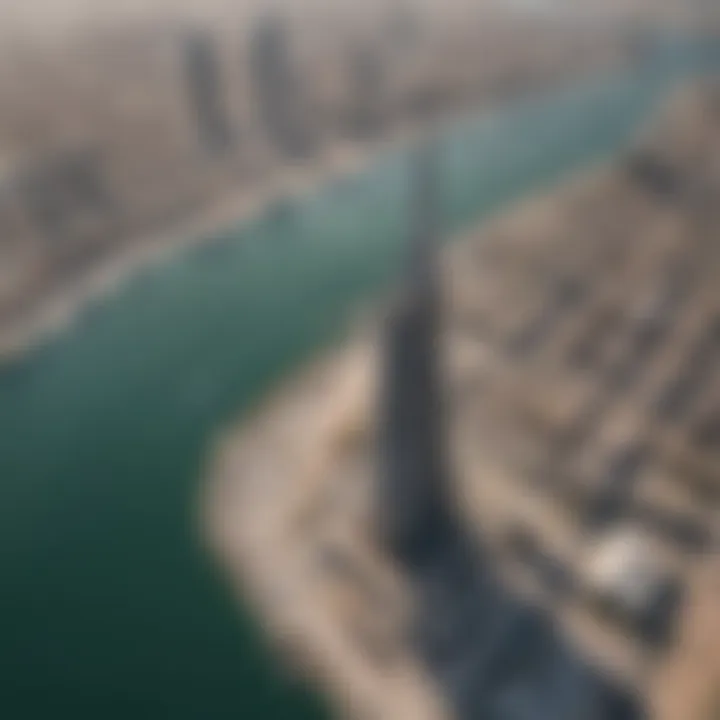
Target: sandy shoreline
point(57, 310)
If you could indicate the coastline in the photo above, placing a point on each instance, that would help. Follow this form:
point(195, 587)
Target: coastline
point(295, 502)
point(57, 310)
point(60, 307)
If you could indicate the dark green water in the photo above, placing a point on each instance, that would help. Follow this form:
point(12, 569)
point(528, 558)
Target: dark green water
point(109, 608)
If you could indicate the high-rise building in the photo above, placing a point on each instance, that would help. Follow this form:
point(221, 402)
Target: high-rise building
point(205, 93)
point(282, 108)
point(493, 656)
point(366, 80)
point(412, 468)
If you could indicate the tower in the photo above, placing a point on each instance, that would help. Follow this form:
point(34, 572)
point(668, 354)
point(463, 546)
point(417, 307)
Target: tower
point(366, 78)
point(412, 504)
point(281, 107)
point(493, 656)
point(203, 76)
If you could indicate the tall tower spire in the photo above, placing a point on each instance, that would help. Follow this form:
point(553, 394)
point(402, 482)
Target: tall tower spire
point(412, 474)
point(493, 656)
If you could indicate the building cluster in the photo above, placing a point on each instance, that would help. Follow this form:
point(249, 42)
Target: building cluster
point(508, 506)
point(106, 136)
point(586, 341)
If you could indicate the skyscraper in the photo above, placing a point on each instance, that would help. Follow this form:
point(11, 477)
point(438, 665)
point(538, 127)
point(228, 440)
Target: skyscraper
point(493, 656)
point(205, 93)
point(281, 106)
point(412, 474)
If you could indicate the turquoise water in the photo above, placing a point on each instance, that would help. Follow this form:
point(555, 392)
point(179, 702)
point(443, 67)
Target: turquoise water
point(109, 608)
